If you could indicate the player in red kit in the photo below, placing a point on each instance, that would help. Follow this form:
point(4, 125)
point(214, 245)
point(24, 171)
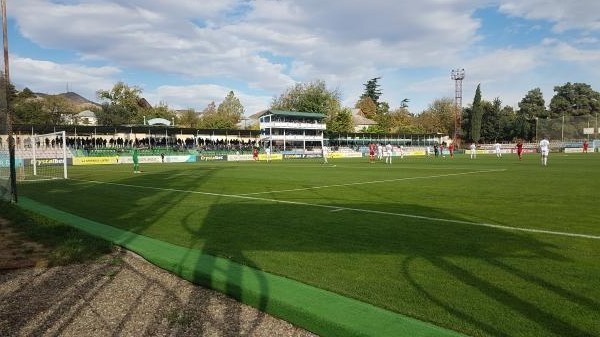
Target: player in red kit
point(520, 150)
point(585, 146)
point(372, 153)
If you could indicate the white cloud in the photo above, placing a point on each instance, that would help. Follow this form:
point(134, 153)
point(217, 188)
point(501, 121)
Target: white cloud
point(198, 97)
point(580, 14)
point(567, 52)
point(504, 64)
point(53, 78)
point(331, 38)
point(185, 53)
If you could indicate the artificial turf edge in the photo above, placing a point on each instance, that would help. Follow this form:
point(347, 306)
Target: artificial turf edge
point(319, 311)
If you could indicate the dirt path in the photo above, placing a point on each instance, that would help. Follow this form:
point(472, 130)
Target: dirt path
point(120, 294)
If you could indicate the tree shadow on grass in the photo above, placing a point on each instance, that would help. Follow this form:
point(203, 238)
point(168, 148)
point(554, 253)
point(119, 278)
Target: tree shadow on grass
point(553, 323)
point(126, 204)
point(331, 243)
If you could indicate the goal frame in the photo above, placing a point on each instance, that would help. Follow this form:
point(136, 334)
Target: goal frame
point(63, 145)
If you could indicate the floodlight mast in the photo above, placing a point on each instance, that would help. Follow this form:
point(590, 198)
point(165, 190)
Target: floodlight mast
point(457, 75)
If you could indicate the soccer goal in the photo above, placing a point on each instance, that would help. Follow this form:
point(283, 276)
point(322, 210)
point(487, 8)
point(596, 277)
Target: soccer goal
point(43, 157)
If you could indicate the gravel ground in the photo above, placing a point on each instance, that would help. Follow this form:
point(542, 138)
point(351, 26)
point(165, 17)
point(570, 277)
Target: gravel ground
point(123, 295)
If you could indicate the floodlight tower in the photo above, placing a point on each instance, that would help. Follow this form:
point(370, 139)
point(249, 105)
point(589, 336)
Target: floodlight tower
point(457, 75)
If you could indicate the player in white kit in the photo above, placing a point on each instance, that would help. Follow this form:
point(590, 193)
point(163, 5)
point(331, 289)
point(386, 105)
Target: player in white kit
point(498, 151)
point(388, 153)
point(544, 150)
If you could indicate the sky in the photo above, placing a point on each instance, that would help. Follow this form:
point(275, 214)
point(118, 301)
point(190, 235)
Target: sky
point(187, 54)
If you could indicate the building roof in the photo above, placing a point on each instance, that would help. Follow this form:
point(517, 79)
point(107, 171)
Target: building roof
point(314, 115)
point(86, 113)
point(143, 103)
point(359, 119)
point(257, 114)
point(159, 121)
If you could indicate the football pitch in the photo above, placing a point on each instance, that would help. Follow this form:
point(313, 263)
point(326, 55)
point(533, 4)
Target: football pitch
point(486, 247)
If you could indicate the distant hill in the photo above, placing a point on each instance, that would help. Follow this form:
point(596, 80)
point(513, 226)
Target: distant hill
point(81, 103)
point(77, 100)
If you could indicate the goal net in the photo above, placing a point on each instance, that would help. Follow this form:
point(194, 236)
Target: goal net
point(5, 189)
point(41, 157)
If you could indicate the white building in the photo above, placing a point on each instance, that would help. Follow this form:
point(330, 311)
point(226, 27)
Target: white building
point(286, 130)
point(86, 117)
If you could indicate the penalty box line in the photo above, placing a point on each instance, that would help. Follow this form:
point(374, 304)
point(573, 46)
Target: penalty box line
point(341, 208)
point(373, 182)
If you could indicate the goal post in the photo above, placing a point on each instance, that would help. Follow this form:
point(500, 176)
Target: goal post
point(48, 156)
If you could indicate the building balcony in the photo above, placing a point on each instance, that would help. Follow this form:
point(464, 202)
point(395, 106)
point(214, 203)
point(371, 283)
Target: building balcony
point(292, 137)
point(291, 125)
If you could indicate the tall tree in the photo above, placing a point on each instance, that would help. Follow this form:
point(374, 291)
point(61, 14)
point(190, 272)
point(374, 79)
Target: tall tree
point(466, 114)
point(490, 124)
point(231, 109)
point(25, 94)
point(308, 97)
point(476, 115)
point(340, 121)
point(533, 104)
point(523, 127)
point(55, 107)
point(575, 99)
point(372, 90)
point(438, 117)
point(161, 110)
point(126, 98)
point(211, 119)
point(367, 107)
point(189, 119)
point(29, 111)
point(114, 114)
point(383, 108)
point(506, 122)
point(401, 120)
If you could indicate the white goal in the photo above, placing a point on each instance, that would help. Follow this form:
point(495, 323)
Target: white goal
point(43, 157)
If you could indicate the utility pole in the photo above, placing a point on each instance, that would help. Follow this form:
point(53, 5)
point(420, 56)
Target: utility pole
point(6, 93)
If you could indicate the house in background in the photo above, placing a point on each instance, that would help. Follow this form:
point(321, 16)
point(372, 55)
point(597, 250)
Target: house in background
point(361, 122)
point(86, 117)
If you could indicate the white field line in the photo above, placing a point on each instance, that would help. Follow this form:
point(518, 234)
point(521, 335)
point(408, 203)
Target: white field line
point(373, 182)
point(339, 208)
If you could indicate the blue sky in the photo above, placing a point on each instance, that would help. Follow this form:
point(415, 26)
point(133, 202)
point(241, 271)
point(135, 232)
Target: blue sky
point(187, 54)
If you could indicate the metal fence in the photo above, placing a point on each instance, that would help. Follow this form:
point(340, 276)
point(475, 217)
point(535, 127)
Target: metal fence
point(568, 128)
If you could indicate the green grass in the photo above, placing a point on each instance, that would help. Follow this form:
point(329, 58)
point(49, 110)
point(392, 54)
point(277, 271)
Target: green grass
point(411, 237)
point(65, 244)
